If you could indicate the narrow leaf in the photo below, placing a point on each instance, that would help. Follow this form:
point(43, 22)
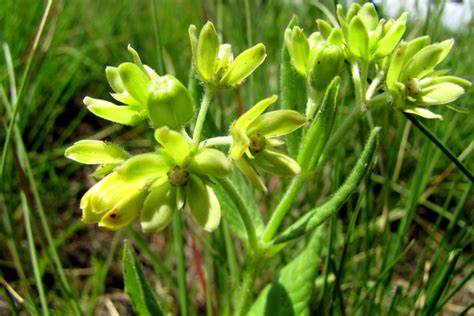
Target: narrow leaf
point(138, 289)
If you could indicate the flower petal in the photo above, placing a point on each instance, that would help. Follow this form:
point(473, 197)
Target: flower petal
point(198, 200)
point(135, 81)
point(441, 93)
point(210, 162)
point(424, 113)
point(122, 114)
point(144, 167)
point(251, 115)
point(277, 123)
point(96, 152)
point(174, 144)
point(158, 208)
point(125, 211)
point(277, 163)
point(113, 78)
point(206, 53)
point(250, 173)
point(240, 143)
point(244, 65)
point(358, 38)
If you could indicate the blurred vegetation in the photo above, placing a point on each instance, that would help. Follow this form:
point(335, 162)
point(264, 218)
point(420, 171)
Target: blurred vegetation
point(414, 195)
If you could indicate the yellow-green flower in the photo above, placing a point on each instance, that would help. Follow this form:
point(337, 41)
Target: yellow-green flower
point(255, 136)
point(164, 100)
point(153, 186)
point(319, 57)
point(365, 35)
point(414, 82)
point(215, 63)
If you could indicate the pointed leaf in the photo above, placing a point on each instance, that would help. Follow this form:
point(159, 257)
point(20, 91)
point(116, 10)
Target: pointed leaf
point(137, 287)
point(290, 293)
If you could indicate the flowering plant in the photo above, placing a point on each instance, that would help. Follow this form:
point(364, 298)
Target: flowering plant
point(186, 172)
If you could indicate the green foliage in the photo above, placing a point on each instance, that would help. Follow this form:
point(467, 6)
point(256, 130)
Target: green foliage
point(291, 292)
point(136, 285)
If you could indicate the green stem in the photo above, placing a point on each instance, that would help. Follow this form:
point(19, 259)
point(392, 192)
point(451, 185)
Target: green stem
point(244, 213)
point(248, 281)
point(284, 206)
point(180, 262)
point(446, 151)
point(205, 102)
point(356, 80)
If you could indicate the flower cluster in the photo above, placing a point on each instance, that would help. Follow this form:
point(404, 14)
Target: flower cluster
point(154, 185)
point(364, 41)
point(414, 82)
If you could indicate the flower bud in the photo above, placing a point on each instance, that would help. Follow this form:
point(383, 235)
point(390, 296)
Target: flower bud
point(392, 35)
point(210, 162)
point(169, 103)
point(113, 202)
point(298, 47)
point(328, 63)
point(206, 52)
point(358, 39)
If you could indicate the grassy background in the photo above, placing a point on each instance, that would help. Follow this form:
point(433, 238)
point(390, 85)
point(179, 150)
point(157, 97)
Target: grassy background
point(414, 199)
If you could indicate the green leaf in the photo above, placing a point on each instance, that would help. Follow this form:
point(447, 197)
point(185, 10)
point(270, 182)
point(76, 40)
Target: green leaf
point(321, 213)
point(229, 208)
point(320, 130)
point(291, 291)
point(96, 152)
point(143, 298)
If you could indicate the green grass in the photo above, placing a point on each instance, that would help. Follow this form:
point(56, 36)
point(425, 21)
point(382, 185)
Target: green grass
point(402, 243)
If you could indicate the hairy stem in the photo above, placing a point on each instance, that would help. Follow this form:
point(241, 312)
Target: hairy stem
point(205, 102)
point(180, 262)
